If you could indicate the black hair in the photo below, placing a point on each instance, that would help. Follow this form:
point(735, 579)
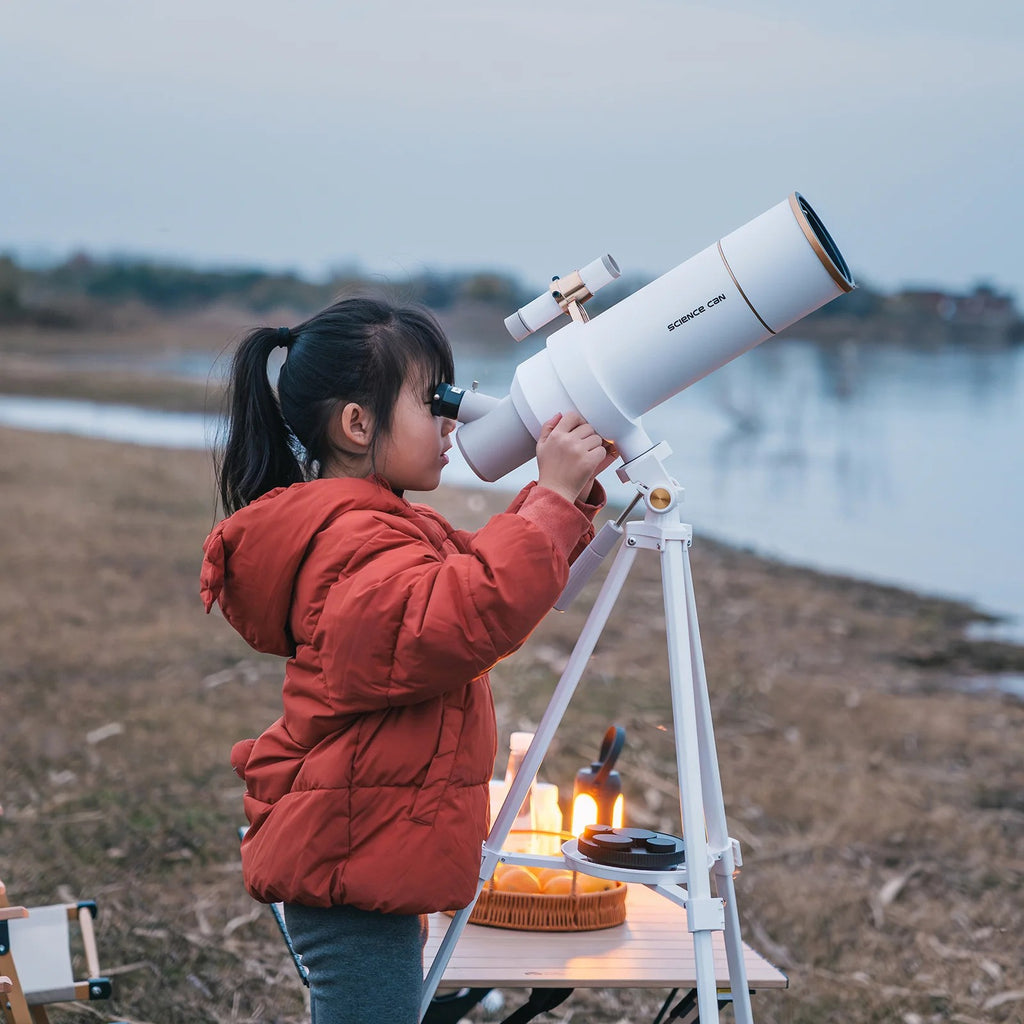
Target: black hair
point(357, 350)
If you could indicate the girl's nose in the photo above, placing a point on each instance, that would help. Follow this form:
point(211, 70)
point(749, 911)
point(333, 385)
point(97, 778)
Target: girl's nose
point(447, 426)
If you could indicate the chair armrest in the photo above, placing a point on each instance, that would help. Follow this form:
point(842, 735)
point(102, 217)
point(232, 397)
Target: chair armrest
point(92, 959)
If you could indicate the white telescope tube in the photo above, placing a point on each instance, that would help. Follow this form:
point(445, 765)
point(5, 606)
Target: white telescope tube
point(704, 313)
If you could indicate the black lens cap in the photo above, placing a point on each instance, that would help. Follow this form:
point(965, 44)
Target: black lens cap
point(631, 848)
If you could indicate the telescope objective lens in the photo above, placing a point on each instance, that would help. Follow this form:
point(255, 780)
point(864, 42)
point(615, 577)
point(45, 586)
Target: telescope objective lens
point(824, 239)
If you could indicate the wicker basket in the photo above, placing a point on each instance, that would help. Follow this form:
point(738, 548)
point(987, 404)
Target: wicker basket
point(545, 912)
point(540, 912)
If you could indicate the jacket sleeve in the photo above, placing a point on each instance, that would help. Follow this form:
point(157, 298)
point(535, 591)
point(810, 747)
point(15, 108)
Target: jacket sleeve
point(403, 623)
point(536, 501)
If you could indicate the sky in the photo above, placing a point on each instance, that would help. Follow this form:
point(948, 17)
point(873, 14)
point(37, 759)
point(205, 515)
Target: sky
point(522, 137)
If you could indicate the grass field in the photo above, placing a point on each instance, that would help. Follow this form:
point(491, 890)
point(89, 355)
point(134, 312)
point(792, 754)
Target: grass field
point(880, 806)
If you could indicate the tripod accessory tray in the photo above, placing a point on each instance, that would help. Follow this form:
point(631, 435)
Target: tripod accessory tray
point(633, 848)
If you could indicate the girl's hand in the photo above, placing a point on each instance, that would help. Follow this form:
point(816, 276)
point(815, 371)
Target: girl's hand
point(611, 453)
point(570, 454)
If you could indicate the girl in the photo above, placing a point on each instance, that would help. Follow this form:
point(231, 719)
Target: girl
point(367, 800)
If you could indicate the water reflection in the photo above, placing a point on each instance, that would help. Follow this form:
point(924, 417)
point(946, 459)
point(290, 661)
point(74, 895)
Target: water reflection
point(123, 423)
point(896, 466)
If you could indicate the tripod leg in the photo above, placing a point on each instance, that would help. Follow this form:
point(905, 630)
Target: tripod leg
point(543, 736)
point(702, 911)
point(714, 810)
point(562, 695)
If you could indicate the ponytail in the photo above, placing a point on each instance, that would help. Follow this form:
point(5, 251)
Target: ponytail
point(260, 451)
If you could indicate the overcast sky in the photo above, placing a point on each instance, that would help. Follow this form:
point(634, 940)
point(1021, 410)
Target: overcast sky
point(521, 136)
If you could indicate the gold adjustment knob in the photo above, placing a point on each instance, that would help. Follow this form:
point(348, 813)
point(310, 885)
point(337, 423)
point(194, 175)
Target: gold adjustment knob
point(660, 498)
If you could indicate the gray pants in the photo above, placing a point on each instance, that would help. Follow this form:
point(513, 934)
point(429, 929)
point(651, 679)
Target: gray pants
point(364, 967)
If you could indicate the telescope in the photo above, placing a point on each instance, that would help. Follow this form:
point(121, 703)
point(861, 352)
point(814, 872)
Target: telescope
point(736, 293)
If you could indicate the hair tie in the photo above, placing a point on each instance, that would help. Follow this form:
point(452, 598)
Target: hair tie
point(285, 337)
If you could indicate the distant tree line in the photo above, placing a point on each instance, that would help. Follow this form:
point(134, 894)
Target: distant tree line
point(45, 294)
point(69, 289)
point(69, 293)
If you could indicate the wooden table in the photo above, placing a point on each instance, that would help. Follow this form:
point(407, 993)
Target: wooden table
point(651, 949)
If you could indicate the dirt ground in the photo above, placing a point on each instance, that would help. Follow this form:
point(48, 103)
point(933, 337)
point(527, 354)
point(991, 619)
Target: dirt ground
point(877, 796)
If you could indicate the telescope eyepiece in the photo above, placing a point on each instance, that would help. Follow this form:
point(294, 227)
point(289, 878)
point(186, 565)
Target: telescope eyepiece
point(446, 401)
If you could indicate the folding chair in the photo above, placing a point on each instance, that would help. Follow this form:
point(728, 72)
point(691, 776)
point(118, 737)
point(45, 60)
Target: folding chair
point(36, 959)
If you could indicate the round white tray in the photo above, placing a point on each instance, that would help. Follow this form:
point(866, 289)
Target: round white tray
point(576, 860)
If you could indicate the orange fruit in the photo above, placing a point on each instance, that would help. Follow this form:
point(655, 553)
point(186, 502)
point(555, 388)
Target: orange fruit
point(517, 879)
point(559, 885)
point(544, 875)
point(499, 873)
point(590, 883)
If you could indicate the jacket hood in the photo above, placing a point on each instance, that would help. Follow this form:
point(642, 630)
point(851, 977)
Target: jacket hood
point(250, 559)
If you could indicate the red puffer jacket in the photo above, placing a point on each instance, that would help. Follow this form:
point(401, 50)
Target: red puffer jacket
point(371, 789)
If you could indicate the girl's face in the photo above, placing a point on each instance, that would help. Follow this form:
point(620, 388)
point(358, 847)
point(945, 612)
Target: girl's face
point(412, 455)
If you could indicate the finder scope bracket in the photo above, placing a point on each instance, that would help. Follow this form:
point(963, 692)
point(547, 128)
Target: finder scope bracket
point(570, 292)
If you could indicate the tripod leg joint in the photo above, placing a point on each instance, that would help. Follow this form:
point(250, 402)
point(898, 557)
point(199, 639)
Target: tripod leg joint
point(737, 853)
point(705, 914)
point(729, 859)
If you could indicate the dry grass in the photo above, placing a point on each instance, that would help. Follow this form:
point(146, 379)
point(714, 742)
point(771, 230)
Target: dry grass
point(880, 809)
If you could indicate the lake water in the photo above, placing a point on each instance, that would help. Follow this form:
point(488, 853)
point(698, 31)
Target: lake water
point(898, 466)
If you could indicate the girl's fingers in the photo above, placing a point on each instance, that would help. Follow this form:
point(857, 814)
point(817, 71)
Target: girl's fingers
point(573, 424)
point(545, 431)
point(572, 420)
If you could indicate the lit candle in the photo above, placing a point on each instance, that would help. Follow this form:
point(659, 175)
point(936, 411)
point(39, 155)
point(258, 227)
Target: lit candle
point(597, 791)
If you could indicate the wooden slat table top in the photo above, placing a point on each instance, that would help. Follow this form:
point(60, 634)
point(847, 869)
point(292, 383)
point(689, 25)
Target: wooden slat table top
point(651, 949)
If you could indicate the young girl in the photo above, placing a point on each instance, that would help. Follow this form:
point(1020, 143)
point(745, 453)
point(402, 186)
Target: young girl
point(367, 800)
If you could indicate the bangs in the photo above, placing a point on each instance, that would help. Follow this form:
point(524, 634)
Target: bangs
point(426, 370)
point(426, 350)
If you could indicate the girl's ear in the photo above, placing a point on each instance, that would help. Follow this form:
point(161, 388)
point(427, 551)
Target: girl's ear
point(351, 429)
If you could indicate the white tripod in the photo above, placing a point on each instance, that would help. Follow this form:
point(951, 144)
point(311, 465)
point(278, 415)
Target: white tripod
point(709, 850)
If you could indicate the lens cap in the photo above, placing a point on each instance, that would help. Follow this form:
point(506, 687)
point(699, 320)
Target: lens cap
point(631, 848)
